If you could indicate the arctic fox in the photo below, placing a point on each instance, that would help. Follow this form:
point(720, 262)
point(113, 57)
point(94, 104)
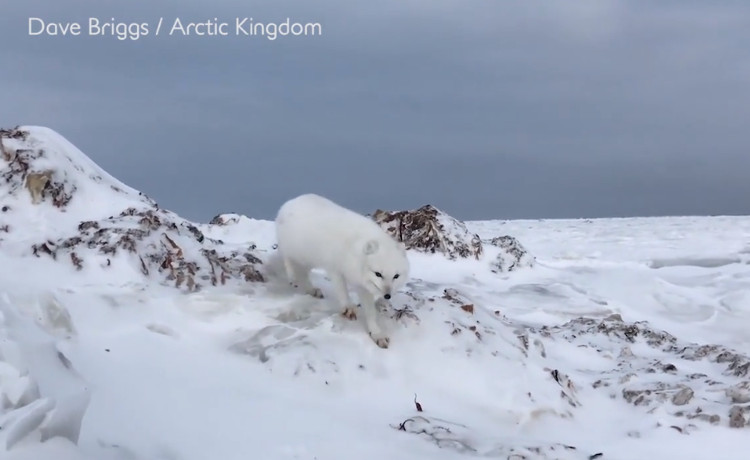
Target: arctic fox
point(314, 232)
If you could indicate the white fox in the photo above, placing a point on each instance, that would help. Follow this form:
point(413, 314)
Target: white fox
point(314, 232)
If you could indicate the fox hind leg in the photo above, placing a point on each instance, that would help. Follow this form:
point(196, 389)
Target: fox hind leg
point(299, 277)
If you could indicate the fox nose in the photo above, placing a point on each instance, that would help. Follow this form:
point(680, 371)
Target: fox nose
point(387, 297)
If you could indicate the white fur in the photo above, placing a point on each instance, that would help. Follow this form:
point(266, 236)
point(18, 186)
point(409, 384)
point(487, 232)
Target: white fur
point(314, 232)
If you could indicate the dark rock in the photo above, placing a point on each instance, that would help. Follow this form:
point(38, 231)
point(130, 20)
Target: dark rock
point(513, 255)
point(740, 393)
point(225, 219)
point(736, 417)
point(669, 368)
point(83, 226)
point(196, 233)
point(683, 396)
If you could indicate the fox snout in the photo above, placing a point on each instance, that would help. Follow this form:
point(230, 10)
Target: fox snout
point(387, 296)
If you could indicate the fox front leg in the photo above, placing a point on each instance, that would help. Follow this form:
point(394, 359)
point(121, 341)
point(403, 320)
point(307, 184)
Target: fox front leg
point(371, 318)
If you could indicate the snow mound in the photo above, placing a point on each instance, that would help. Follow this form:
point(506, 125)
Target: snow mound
point(237, 229)
point(685, 382)
point(477, 348)
point(430, 230)
point(43, 167)
point(462, 439)
point(41, 395)
point(512, 254)
point(160, 244)
point(523, 374)
point(59, 203)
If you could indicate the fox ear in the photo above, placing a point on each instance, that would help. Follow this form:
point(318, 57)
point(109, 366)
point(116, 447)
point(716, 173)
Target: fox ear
point(371, 247)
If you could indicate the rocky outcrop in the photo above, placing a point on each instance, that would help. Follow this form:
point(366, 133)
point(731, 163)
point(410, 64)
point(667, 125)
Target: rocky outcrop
point(225, 219)
point(513, 255)
point(431, 231)
point(84, 217)
point(661, 374)
point(160, 244)
point(27, 168)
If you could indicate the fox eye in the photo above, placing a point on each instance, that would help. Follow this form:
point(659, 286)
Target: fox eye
point(378, 274)
point(395, 276)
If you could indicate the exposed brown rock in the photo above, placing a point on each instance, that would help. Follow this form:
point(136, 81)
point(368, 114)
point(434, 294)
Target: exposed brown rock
point(158, 243)
point(513, 255)
point(429, 230)
point(737, 417)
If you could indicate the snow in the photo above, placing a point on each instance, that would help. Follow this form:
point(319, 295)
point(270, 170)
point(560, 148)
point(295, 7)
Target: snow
point(534, 363)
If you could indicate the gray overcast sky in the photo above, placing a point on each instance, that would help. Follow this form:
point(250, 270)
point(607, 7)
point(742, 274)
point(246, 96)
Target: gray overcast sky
point(486, 109)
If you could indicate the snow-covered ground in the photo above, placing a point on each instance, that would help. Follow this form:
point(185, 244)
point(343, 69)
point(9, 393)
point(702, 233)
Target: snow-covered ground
point(627, 339)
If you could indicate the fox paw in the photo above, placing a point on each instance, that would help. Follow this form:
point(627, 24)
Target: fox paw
point(350, 313)
point(380, 341)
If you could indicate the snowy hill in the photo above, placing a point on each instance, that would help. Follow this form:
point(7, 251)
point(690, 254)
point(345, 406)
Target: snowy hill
point(67, 207)
point(127, 332)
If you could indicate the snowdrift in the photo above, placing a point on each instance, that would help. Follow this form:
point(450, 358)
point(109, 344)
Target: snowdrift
point(41, 394)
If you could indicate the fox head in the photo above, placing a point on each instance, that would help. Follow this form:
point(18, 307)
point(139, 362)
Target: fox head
point(386, 267)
